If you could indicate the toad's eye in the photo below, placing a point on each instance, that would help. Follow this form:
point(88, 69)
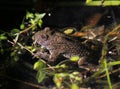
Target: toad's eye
point(37, 45)
point(44, 37)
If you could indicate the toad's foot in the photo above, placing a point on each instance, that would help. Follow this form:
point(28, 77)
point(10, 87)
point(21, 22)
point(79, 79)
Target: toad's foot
point(43, 55)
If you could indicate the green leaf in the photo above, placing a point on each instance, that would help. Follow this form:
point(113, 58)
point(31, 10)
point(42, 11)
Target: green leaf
point(57, 81)
point(3, 37)
point(63, 66)
point(75, 76)
point(58, 78)
point(40, 76)
point(33, 49)
point(15, 31)
point(74, 86)
point(29, 15)
point(68, 31)
point(40, 23)
point(78, 78)
point(32, 21)
point(40, 16)
point(74, 58)
point(39, 65)
point(22, 26)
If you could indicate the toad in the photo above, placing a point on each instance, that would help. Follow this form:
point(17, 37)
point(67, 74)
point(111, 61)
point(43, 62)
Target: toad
point(58, 43)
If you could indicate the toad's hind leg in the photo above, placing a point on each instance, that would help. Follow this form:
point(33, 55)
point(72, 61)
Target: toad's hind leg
point(82, 60)
point(53, 55)
point(82, 63)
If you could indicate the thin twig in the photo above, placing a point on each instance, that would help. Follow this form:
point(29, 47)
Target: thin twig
point(27, 29)
point(23, 31)
point(104, 49)
point(25, 48)
point(114, 71)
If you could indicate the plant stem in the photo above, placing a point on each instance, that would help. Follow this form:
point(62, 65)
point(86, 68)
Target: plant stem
point(107, 73)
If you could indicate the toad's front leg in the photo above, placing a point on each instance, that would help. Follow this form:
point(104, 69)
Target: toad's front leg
point(43, 55)
point(49, 56)
point(53, 55)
